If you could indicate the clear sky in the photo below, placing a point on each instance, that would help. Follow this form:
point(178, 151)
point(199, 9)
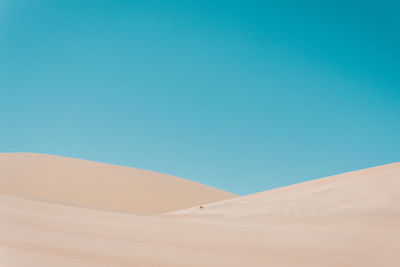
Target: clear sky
point(241, 95)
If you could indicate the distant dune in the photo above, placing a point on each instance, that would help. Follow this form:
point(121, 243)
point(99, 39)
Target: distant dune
point(347, 220)
point(97, 185)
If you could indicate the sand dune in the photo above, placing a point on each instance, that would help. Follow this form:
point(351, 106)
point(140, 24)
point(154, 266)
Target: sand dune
point(98, 185)
point(42, 234)
point(370, 190)
point(346, 220)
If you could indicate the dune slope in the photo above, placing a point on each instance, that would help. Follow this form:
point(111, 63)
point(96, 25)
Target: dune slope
point(96, 185)
point(372, 190)
point(43, 234)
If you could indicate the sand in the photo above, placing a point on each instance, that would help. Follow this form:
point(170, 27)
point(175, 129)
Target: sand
point(97, 185)
point(351, 219)
point(374, 189)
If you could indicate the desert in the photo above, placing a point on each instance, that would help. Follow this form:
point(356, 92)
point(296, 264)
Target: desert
point(350, 219)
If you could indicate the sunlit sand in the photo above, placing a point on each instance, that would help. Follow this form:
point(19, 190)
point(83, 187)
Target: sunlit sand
point(56, 211)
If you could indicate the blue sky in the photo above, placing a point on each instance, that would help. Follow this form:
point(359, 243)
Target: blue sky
point(241, 95)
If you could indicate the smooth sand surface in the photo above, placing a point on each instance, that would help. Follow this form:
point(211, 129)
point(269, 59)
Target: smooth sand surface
point(41, 234)
point(370, 190)
point(346, 220)
point(97, 185)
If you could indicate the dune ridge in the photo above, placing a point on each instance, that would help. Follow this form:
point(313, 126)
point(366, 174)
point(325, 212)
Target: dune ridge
point(97, 185)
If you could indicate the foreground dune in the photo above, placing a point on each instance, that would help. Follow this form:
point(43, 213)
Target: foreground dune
point(41, 234)
point(98, 185)
point(347, 220)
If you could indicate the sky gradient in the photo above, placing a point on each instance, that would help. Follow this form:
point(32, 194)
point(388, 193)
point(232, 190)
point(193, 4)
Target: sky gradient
point(241, 95)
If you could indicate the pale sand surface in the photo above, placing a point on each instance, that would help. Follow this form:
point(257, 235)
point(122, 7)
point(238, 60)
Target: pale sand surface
point(41, 234)
point(374, 189)
point(346, 220)
point(97, 185)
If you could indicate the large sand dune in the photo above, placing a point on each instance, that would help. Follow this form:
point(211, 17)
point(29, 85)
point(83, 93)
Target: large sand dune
point(347, 220)
point(370, 190)
point(98, 185)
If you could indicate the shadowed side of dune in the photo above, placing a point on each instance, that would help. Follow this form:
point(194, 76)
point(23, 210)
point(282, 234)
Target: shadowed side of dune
point(97, 185)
